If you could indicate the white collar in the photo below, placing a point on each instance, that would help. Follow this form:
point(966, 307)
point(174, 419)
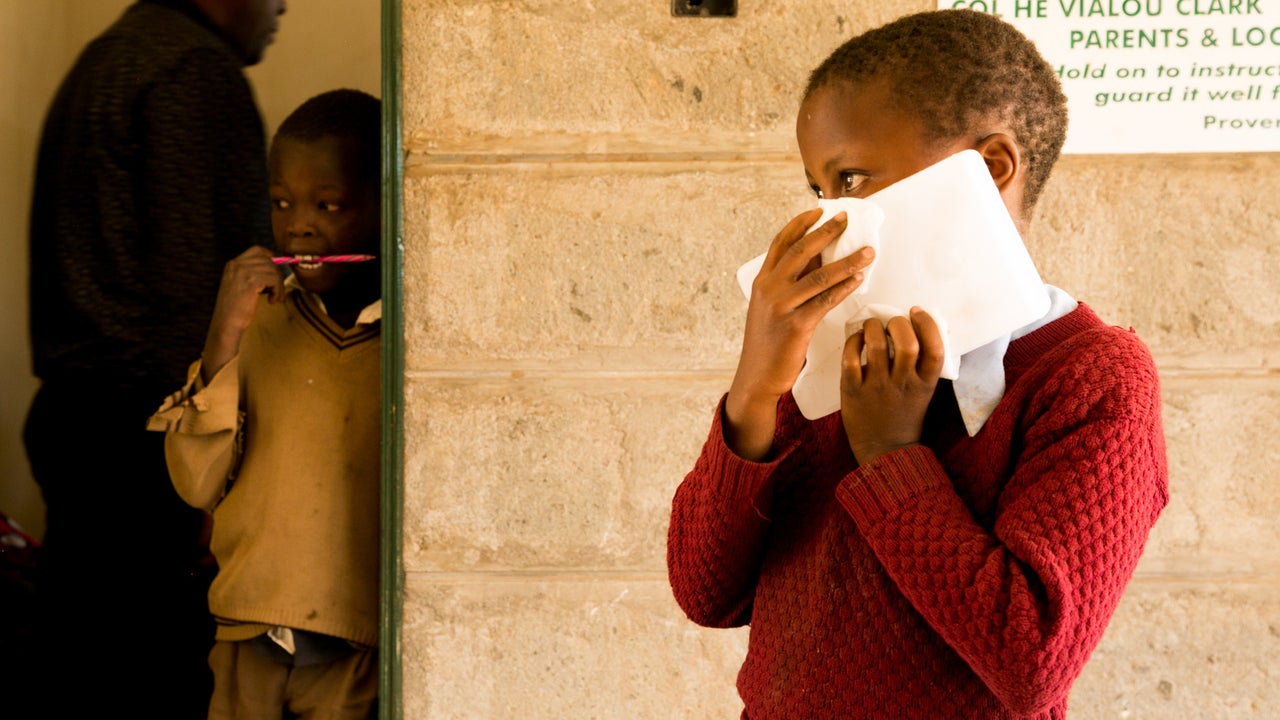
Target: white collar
point(979, 385)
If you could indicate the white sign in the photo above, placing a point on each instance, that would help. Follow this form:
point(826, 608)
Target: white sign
point(1158, 76)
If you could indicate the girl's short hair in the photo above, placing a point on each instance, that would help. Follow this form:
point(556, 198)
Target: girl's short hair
point(958, 70)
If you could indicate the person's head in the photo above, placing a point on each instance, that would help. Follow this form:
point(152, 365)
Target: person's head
point(251, 24)
point(896, 99)
point(325, 166)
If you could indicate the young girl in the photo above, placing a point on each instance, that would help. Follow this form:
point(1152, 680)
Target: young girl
point(890, 564)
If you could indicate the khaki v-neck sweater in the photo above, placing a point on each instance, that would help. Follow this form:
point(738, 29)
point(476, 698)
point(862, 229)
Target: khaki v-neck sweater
point(283, 447)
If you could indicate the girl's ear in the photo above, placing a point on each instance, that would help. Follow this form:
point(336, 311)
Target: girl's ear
point(1004, 161)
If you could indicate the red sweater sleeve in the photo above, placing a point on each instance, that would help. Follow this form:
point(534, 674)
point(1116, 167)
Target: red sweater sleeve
point(1025, 602)
point(716, 539)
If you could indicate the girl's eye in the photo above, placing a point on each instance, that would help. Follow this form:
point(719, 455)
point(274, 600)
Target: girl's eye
point(850, 181)
point(331, 207)
point(816, 191)
point(280, 204)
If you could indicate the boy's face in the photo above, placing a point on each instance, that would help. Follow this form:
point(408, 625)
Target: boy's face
point(853, 142)
point(320, 206)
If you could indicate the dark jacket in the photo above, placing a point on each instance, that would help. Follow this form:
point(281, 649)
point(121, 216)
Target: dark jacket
point(151, 175)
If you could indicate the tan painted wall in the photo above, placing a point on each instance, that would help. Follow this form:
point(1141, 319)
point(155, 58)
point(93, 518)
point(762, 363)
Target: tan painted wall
point(323, 44)
point(582, 179)
point(31, 36)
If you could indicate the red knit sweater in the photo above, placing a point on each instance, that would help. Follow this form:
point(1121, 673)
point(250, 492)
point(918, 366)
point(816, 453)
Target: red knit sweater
point(962, 578)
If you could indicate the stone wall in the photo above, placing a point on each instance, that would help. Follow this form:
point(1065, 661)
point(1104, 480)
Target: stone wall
point(581, 181)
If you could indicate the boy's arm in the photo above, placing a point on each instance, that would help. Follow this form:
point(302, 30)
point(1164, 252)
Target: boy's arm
point(244, 279)
point(1026, 603)
point(202, 428)
point(202, 421)
point(716, 538)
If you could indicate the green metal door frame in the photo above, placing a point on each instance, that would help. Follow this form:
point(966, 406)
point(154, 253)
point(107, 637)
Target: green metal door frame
point(391, 573)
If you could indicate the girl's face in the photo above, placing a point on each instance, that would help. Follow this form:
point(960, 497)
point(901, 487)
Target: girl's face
point(853, 142)
point(320, 206)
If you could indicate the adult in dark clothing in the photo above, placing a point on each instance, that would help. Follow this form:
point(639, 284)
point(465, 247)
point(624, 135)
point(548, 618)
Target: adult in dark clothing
point(151, 175)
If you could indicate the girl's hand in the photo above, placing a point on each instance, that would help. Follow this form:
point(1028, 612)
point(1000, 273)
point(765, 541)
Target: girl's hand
point(883, 401)
point(792, 292)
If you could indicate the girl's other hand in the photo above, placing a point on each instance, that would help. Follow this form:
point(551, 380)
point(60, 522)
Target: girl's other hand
point(883, 400)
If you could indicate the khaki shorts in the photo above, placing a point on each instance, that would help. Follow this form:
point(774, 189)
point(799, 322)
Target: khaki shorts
point(249, 685)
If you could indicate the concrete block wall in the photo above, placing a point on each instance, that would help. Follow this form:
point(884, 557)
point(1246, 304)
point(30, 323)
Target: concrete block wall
point(581, 182)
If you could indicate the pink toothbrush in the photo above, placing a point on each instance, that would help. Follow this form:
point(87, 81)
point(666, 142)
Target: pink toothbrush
point(324, 259)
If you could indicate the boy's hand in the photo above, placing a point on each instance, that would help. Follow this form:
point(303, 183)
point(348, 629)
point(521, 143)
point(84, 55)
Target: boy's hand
point(244, 279)
point(792, 292)
point(883, 402)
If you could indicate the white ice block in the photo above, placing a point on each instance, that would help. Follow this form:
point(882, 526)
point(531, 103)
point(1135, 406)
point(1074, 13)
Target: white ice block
point(946, 244)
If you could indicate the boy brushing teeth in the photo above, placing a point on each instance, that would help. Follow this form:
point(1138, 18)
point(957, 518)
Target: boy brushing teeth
point(277, 432)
